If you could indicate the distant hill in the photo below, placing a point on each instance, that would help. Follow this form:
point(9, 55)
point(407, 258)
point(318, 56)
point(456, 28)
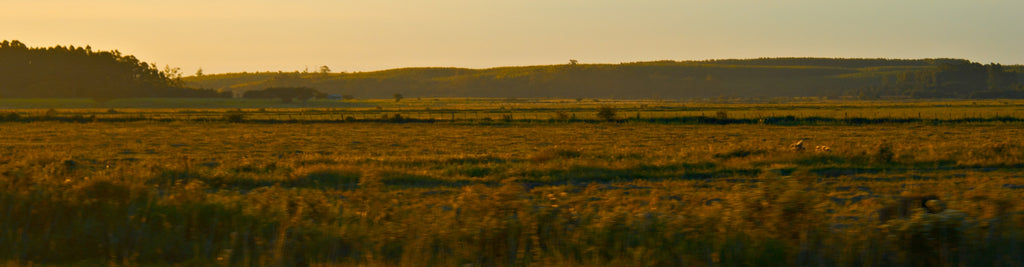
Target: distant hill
point(76, 72)
point(764, 77)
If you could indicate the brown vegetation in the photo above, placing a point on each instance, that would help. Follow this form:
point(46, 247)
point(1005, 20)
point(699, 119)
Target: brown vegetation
point(507, 193)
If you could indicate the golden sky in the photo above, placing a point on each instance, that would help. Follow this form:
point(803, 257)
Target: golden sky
point(262, 35)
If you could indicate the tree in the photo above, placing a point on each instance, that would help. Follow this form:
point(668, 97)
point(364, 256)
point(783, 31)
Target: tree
point(325, 70)
point(398, 97)
point(199, 73)
point(174, 74)
point(573, 62)
point(998, 78)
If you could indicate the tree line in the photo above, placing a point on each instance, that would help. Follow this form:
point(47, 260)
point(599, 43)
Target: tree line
point(955, 79)
point(766, 77)
point(75, 72)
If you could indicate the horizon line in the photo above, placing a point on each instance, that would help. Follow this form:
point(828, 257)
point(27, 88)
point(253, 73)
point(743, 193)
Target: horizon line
point(568, 62)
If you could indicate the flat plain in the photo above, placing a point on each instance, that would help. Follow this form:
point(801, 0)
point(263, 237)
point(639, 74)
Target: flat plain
point(552, 185)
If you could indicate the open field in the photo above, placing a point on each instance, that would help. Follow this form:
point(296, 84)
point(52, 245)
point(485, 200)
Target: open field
point(627, 193)
point(483, 109)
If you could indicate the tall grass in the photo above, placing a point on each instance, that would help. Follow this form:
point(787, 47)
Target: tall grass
point(382, 194)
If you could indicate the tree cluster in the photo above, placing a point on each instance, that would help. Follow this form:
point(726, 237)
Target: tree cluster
point(951, 79)
point(69, 72)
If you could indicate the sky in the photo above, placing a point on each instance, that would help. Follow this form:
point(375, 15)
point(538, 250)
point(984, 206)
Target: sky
point(365, 35)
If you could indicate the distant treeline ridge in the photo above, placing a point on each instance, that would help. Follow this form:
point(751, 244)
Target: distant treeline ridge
point(730, 78)
point(75, 72)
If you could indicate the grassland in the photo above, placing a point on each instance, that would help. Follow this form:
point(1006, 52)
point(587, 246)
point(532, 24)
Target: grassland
point(473, 110)
point(323, 191)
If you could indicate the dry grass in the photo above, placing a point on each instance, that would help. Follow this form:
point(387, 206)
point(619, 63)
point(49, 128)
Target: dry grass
point(507, 194)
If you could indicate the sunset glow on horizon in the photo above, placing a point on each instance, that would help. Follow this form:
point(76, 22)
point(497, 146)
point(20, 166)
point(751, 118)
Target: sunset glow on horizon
point(234, 36)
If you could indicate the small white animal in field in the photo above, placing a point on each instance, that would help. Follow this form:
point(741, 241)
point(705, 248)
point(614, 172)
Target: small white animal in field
point(822, 149)
point(798, 146)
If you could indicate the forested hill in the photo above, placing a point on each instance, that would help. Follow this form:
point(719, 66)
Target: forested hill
point(64, 72)
point(70, 72)
point(765, 77)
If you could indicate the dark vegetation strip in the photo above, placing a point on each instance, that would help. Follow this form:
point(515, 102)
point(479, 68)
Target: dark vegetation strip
point(239, 178)
point(684, 120)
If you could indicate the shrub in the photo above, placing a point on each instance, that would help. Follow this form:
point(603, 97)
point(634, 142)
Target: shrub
point(326, 177)
point(234, 117)
point(607, 113)
point(82, 119)
point(50, 113)
point(561, 115)
point(13, 116)
point(722, 115)
point(740, 153)
point(396, 118)
point(882, 153)
point(553, 153)
point(470, 171)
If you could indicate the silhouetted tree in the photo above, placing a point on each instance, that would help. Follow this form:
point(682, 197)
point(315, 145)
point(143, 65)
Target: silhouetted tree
point(81, 72)
point(173, 74)
point(398, 97)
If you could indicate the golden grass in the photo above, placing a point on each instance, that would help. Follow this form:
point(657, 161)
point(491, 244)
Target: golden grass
point(475, 109)
point(506, 194)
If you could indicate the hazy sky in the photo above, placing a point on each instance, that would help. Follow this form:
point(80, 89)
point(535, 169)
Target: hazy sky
point(263, 35)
